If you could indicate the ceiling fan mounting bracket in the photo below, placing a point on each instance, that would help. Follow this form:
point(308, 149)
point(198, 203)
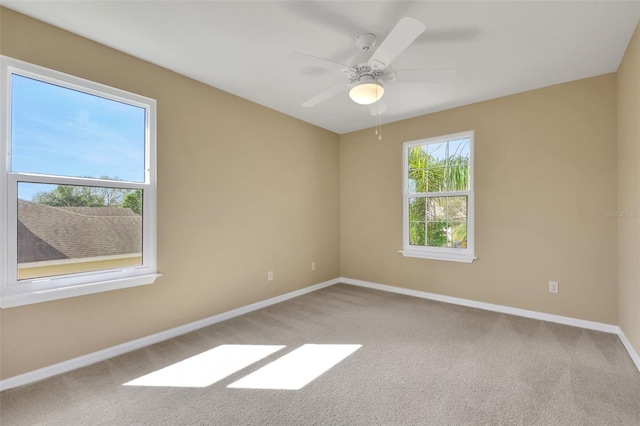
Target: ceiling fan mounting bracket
point(366, 41)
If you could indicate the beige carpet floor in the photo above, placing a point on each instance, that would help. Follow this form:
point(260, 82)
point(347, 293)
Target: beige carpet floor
point(420, 363)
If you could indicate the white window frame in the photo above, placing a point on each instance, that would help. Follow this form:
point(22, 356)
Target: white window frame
point(28, 291)
point(438, 253)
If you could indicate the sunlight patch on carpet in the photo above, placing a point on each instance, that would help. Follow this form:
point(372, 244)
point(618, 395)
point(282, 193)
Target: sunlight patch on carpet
point(206, 368)
point(296, 369)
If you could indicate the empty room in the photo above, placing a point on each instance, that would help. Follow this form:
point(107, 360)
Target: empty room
point(319, 212)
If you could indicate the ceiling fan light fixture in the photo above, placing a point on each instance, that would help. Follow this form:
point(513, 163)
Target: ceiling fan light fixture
point(367, 92)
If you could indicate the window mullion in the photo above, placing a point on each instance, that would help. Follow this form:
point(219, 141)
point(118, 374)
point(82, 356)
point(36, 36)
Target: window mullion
point(439, 194)
point(65, 180)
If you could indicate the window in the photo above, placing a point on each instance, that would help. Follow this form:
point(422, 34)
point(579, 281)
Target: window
point(438, 198)
point(77, 186)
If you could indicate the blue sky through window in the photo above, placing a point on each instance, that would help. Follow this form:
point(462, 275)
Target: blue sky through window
point(60, 131)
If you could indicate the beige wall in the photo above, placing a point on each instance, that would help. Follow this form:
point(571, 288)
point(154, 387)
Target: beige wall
point(629, 192)
point(545, 172)
point(241, 190)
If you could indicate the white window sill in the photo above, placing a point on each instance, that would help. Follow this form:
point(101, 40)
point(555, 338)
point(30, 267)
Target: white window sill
point(12, 299)
point(444, 255)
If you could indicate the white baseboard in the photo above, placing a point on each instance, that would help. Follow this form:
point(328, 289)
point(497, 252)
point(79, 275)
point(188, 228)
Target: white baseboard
point(92, 358)
point(627, 345)
point(590, 325)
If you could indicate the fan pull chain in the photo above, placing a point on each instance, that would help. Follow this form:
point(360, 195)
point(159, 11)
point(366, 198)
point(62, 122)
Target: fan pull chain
point(379, 115)
point(379, 133)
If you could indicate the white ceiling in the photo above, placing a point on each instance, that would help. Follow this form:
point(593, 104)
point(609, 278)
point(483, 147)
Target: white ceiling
point(246, 47)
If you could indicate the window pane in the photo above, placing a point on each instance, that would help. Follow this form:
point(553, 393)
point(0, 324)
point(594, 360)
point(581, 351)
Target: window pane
point(437, 209)
point(437, 179)
point(458, 234)
point(459, 149)
point(437, 153)
point(437, 234)
point(417, 157)
point(417, 180)
point(416, 233)
point(458, 178)
point(457, 209)
point(417, 209)
point(458, 162)
point(60, 131)
point(65, 229)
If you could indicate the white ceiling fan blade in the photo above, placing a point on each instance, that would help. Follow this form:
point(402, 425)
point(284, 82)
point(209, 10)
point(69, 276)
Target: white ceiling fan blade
point(326, 95)
point(425, 76)
point(402, 35)
point(319, 62)
point(378, 108)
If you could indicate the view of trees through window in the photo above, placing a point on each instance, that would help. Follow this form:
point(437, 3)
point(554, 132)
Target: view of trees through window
point(91, 196)
point(438, 178)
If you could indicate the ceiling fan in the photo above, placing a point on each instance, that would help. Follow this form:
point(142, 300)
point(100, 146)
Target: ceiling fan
point(367, 72)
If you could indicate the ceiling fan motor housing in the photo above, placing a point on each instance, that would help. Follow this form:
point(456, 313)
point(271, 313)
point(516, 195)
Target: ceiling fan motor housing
point(364, 72)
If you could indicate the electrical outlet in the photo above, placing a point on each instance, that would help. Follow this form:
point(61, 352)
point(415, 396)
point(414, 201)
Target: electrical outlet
point(553, 286)
point(313, 266)
point(270, 276)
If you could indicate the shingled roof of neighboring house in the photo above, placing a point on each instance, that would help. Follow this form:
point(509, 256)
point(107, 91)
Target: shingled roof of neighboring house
point(53, 233)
